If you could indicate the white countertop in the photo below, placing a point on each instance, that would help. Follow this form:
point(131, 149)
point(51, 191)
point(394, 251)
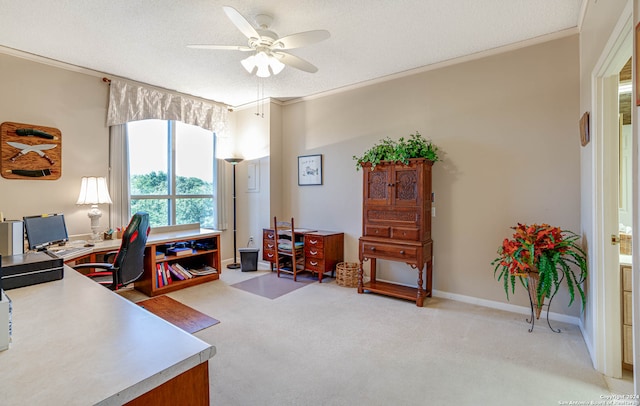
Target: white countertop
point(76, 343)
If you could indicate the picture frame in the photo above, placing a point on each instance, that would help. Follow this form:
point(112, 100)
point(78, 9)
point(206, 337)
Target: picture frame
point(309, 170)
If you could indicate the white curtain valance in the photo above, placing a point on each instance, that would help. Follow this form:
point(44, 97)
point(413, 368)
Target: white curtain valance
point(133, 102)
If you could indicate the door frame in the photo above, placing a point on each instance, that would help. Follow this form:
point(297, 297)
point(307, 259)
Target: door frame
point(604, 282)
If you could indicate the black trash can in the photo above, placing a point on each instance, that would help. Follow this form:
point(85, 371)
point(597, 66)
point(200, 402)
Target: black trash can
point(249, 259)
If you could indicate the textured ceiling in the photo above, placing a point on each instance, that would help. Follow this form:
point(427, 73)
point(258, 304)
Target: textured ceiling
point(146, 40)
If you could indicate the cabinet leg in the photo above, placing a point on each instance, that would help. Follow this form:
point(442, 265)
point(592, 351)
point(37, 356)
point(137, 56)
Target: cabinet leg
point(360, 277)
point(421, 293)
point(429, 277)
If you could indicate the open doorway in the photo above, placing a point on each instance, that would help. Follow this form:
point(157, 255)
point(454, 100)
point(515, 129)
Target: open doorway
point(625, 215)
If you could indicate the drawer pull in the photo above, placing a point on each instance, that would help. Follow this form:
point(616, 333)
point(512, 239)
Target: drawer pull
point(373, 248)
point(270, 246)
point(270, 255)
point(401, 252)
point(313, 252)
point(270, 236)
point(313, 242)
point(377, 231)
point(313, 263)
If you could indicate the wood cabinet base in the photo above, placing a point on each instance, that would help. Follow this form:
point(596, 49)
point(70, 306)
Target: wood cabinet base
point(189, 388)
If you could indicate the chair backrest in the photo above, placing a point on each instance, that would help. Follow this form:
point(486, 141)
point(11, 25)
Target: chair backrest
point(129, 261)
point(285, 228)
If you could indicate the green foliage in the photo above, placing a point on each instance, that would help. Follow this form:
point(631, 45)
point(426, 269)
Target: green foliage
point(188, 210)
point(398, 151)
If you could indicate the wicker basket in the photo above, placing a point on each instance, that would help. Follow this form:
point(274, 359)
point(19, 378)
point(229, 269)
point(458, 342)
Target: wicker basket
point(347, 274)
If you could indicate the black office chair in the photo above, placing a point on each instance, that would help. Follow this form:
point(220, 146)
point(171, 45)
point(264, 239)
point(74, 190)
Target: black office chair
point(128, 264)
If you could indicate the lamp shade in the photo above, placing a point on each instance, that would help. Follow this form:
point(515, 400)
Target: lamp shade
point(94, 191)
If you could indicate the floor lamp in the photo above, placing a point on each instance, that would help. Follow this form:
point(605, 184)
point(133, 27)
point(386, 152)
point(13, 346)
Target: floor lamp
point(234, 162)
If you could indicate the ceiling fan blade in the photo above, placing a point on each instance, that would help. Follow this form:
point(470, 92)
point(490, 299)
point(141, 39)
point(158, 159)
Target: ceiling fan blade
point(301, 39)
point(295, 62)
point(221, 47)
point(239, 21)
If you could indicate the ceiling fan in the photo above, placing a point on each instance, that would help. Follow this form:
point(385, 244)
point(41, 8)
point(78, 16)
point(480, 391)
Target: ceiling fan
point(268, 56)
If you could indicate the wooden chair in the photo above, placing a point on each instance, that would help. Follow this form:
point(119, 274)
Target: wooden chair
point(289, 252)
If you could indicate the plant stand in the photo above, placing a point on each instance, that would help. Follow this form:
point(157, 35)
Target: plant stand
point(532, 288)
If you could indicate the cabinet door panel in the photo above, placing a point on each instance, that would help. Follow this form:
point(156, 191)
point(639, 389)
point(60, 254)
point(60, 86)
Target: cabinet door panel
point(406, 186)
point(376, 186)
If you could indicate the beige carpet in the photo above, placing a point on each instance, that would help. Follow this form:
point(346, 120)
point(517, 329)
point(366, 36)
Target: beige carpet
point(327, 345)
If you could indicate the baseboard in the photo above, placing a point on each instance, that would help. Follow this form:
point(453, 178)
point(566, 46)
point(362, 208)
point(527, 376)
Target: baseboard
point(506, 307)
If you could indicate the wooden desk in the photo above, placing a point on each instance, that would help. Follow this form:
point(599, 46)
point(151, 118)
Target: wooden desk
point(158, 238)
point(77, 343)
point(323, 250)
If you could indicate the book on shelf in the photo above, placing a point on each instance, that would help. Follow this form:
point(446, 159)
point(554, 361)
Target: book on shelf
point(179, 251)
point(175, 274)
point(205, 270)
point(179, 268)
point(160, 255)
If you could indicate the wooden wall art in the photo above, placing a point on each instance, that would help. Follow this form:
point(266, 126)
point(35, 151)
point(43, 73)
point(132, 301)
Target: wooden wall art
point(585, 135)
point(30, 152)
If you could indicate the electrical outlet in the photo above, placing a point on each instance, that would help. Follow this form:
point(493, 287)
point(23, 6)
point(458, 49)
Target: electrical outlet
point(433, 211)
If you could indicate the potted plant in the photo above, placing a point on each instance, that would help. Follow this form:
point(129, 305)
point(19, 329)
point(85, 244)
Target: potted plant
point(541, 256)
point(398, 151)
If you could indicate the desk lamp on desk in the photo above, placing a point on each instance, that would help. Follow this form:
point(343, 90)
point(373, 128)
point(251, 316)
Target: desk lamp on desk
point(94, 191)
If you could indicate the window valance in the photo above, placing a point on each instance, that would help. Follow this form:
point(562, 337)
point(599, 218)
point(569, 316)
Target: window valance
point(132, 102)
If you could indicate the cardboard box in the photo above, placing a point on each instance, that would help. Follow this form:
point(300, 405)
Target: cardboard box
point(30, 268)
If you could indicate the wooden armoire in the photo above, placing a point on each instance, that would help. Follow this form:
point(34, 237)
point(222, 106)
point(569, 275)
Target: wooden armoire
point(396, 225)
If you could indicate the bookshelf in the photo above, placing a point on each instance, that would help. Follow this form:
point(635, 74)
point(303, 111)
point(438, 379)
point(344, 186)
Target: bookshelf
point(205, 251)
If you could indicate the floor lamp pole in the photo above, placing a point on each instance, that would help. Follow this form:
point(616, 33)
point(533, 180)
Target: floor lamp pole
point(234, 162)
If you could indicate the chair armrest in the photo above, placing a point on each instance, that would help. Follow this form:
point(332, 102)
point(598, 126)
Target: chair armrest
point(100, 265)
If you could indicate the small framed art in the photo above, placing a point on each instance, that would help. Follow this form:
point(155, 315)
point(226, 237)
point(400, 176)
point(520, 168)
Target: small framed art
point(309, 170)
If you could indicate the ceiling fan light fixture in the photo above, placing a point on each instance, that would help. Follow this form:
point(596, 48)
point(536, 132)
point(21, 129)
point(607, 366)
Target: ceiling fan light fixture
point(275, 65)
point(249, 63)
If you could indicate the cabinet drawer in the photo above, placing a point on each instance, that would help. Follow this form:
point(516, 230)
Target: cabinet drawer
point(269, 255)
point(389, 251)
point(268, 245)
point(376, 231)
point(627, 305)
point(314, 264)
point(627, 345)
point(626, 278)
point(268, 235)
point(313, 252)
point(405, 233)
point(313, 241)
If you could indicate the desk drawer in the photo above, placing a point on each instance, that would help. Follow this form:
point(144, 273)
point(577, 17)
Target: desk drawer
point(313, 252)
point(313, 242)
point(269, 255)
point(268, 235)
point(314, 264)
point(382, 251)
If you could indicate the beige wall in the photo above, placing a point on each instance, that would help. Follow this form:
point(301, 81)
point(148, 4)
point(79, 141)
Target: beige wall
point(507, 128)
point(76, 104)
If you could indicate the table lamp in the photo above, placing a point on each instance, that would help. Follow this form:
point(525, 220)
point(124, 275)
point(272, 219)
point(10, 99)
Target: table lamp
point(94, 191)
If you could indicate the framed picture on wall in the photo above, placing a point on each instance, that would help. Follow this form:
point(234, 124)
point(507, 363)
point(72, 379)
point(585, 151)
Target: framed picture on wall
point(309, 170)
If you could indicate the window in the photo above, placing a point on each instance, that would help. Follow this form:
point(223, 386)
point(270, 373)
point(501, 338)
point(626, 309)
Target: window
point(172, 172)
